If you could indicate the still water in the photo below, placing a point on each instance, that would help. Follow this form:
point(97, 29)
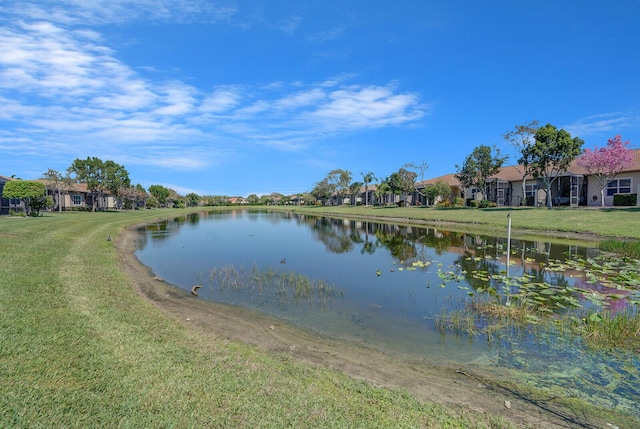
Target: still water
point(385, 286)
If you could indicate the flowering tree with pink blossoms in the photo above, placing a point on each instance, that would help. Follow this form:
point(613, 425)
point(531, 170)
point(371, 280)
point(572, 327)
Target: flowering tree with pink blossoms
point(607, 162)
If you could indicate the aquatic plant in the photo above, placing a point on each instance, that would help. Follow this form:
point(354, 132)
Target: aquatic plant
point(286, 285)
point(628, 248)
point(600, 307)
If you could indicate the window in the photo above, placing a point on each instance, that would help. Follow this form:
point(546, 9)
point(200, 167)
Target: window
point(77, 200)
point(530, 190)
point(618, 186)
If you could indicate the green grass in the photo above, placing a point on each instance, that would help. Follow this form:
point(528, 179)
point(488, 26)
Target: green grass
point(80, 348)
point(621, 223)
point(629, 248)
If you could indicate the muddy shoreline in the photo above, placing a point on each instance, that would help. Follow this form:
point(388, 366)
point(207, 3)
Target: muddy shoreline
point(430, 381)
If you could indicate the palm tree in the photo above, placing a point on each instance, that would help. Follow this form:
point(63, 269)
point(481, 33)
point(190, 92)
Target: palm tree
point(367, 178)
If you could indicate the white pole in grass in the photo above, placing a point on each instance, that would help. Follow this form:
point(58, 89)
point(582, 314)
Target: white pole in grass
point(508, 241)
point(508, 252)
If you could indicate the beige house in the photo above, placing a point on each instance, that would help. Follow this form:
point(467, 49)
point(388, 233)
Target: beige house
point(575, 187)
point(74, 196)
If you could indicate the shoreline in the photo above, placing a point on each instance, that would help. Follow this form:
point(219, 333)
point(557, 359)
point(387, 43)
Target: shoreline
point(428, 381)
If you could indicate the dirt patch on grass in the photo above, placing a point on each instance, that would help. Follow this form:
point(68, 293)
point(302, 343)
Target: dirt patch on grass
point(430, 381)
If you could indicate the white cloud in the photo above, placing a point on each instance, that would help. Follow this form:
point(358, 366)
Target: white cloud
point(221, 100)
point(602, 123)
point(87, 12)
point(177, 99)
point(69, 85)
point(368, 107)
point(292, 24)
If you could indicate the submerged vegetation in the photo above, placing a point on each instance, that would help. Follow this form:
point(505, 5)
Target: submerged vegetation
point(601, 310)
point(286, 285)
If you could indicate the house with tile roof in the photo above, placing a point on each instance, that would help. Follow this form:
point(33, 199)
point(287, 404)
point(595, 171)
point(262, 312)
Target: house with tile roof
point(574, 187)
point(71, 196)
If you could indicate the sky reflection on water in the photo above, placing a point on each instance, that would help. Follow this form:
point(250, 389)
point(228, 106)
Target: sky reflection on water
point(390, 280)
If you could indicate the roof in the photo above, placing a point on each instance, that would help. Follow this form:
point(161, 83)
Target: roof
point(513, 173)
point(449, 179)
point(65, 186)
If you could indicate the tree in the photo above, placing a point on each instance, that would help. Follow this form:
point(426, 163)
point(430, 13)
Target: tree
point(101, 177)
point(438, 191)
point(89, 171)
point(115, 179)
point(176, 200)
point(402, 182)
point(141, 195)
point(421, 172)
point(341, 180)
point(151, 202)
point(520, 139)
point(478, 167)
point(54, 180)
point(252, 199)
point(383, 189)
point(128, 197)
point(354, 191)
point(551, 155)
point(323, 190)
point(367, 178)
point(606, 162)
point(193, 199)
point(160, 193)
point(32, 194)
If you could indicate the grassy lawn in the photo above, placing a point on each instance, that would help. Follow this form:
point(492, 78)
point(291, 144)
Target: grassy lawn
point(608, 222)
point(80, 348)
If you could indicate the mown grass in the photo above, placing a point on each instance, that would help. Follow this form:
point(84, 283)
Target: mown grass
point(79, 348)
point(621, 223)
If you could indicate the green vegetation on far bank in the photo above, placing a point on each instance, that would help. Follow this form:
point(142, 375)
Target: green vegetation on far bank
point(596, 223)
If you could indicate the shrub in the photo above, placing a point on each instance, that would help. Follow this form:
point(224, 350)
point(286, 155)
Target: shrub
point(484, 204)
point(625, 199)
point(458, 201)
point(474, 203)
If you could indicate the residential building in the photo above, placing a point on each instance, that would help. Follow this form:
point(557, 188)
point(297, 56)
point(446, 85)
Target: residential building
point(74, 196)
point(574, 187)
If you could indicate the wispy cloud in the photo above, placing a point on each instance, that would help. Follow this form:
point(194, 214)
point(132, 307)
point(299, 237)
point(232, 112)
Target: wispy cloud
point(291, 25)
point(601, 123)
point(83, 12)
point(67, 84)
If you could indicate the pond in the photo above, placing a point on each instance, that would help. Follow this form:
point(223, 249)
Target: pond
point(390, 287)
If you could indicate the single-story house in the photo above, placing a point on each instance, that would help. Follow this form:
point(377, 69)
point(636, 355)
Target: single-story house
point(74, 196)
point(8, 204)
point(574, 187)
point(71, 197)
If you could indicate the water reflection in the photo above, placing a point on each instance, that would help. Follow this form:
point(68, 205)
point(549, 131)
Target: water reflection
point(388, 284)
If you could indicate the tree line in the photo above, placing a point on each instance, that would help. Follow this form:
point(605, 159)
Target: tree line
point(541, 152)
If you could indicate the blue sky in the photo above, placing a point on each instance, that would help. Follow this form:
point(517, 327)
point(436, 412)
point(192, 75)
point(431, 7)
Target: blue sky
point(240, 97)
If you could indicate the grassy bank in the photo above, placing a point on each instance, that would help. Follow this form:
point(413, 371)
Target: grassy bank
point(623, 223)
point(79, 348)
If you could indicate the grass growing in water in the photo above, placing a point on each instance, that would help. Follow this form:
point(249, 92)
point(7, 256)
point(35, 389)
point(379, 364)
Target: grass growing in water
point(603, 328)
point(629, 248)
point(288, 285)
